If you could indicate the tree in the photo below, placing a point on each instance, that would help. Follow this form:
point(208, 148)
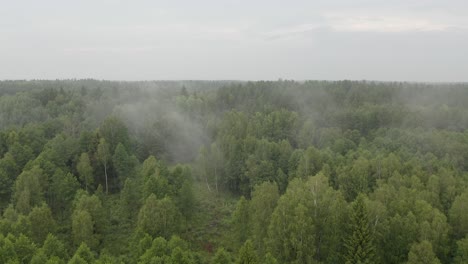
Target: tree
point(114, 131)
point(130, 199)
point(459, 216)
point(85, 170)
point(84, 252)
point(24, 248)
point(186, 200)
point(269, 259)
point(61, 192)
point(28, 190)
point(92, 205)
point(103, 155)
point(158, 217)
point(421, 253)
point(359, 245)
point(221, 257)
point(247, 254)
point(123, 163)
point(461, 256)
point(83, 228)
point(42, 222)
point(39, 258)
point(240, 220)
point(291, 233)
point(8, 172)
point(262, 205)
point(54, 247)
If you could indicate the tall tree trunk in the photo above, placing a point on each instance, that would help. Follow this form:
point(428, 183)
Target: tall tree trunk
point(105, 172)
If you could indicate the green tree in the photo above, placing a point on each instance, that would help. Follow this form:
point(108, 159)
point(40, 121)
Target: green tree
point(103, 155)
point(221, 257)
point(158, 217)
point(269, 259)
point(8, 172)
point(241, 220)
point(247, 254)
point(360, 246)
point(291, 233)
point(461, 255)
point(61, 192)
point(54, 247)
point(186, 200)
point(123, 163)
point(83, 228)
point(28, 190)
point(130, 199)
point(262, 205)
point(421, 253)
point(85, 170)
point(39, 258)
point(24, 248)
point(42, 223)
point(114, 131)
point(83, 252)
point(459, 215)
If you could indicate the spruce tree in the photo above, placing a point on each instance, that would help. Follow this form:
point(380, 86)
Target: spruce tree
point(359, 245)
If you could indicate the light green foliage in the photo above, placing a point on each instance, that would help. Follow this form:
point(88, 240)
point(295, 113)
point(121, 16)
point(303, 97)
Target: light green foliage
point(85, 171)
point(459, 215)
point(114, 131)
point(39, 258)
point(83, 228)
point(461, 256)
point(247, 254)
point(61, 192)
point(54, 247)
point(24, 248)
point(241, 220)
point(421, 253)
point(42, 222)
point(130, 199)
point(264, 199)
point(123, 163)
point(159, 217)
point(28, 190)
point(83, 253)
point(221, 257)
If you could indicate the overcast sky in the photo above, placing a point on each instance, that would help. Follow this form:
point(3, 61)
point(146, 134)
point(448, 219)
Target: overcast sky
point(402, 40)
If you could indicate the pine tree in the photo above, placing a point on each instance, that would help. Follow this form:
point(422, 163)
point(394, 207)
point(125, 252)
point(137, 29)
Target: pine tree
point(359, 245)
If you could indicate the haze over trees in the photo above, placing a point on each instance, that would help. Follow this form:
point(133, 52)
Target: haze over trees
point(233, 172)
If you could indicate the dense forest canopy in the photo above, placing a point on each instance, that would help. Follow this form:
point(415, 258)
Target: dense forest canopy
point(233, 172)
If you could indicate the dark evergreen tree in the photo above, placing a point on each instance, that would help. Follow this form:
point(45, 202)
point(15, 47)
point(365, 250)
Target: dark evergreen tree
point(359, 244)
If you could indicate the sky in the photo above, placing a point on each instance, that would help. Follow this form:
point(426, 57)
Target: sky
point(397, 40)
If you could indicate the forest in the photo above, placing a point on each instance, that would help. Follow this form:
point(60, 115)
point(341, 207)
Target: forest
point(226, 172)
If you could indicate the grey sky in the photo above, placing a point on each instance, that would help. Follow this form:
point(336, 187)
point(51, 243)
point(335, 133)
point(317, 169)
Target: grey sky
point(413, 40)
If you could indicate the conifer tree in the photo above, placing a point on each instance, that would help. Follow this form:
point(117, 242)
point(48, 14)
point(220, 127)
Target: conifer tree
point(359, 245)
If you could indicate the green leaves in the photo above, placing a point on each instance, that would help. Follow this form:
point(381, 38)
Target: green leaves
point(85, 171)
point(159, 217)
